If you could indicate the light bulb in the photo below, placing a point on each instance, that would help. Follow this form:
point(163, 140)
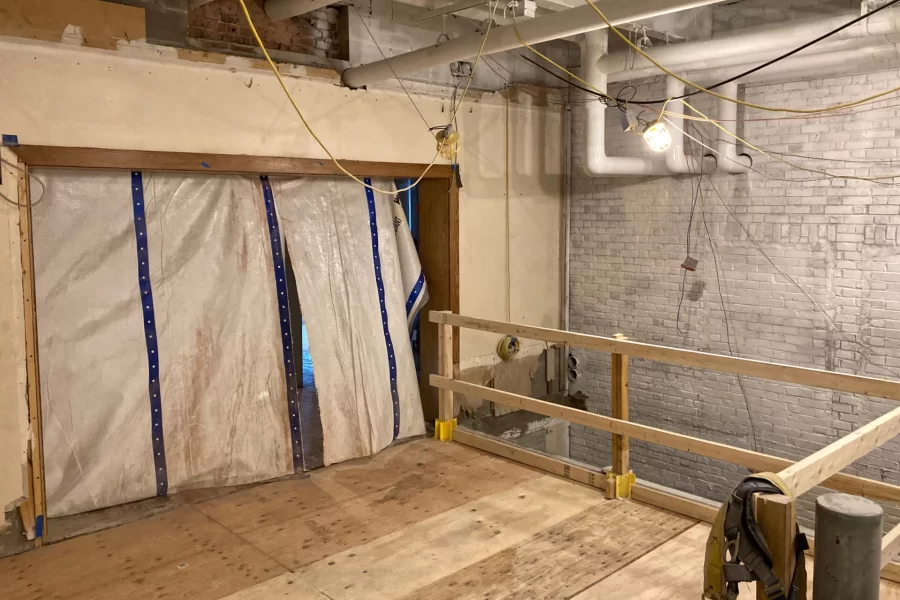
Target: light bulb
point(657, 136)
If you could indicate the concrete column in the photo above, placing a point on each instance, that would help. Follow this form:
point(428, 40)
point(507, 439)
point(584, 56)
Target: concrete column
point(848, 548)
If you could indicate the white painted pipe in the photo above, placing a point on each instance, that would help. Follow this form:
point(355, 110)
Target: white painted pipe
point(676, 159)
point(279, 10)
point(751, 57)
point(596, 162)
point(747, 46)
point(729, 160)
point(543, 29)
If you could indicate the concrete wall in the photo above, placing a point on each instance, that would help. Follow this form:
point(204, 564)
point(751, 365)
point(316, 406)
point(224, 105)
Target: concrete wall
point(151, 98)
point(837, 239)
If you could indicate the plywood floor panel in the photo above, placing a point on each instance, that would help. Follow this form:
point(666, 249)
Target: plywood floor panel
point(180, 554)
point(313, 535)
point(562, 560)
point(275, 502)
point(408, 560)
point(674, 571)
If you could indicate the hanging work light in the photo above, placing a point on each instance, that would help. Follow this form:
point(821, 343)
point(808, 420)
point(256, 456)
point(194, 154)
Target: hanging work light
point(657, 136)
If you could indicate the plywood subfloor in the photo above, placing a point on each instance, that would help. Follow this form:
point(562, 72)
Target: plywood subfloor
point(420, 521)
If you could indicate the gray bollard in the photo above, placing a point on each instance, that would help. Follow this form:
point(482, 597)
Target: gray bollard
point(848, 548)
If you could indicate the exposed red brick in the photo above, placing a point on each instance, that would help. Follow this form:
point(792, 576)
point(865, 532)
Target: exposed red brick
point(221, 26)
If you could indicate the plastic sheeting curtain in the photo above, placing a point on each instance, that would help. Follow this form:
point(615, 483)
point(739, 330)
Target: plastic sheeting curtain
point(346, 261)
point(163, 354)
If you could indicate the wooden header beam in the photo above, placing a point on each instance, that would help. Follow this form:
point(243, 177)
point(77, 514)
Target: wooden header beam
point(849, 484)
point(148, 160)
point(854, 384)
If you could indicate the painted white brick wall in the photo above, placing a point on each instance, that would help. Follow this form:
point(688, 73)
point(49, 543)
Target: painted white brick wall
point(837, 238)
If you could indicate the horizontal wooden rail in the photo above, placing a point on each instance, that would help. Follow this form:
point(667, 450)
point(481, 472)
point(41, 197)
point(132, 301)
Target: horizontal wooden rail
point(756, 461)
point(855, 384)
point(809, 472)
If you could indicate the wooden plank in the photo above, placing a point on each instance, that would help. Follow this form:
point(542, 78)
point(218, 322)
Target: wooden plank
point(446, 410)
point(777, 518)
point(436, 241)
point(564, 559)
point(890, 546)
point(148, 160)
point(674, 571)
point(408, 560)
point(855, 384)
point(812, 470)
point(594, 478)
point(620, 411)
point(850, 484)
point(674, 503)
point(32, 362)
point(314, 534)
point(180, 554)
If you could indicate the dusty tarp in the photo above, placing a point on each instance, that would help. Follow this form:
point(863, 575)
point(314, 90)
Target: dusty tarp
point(222, 387)
point(93, 358)
point(415, 288)
point(355, 313)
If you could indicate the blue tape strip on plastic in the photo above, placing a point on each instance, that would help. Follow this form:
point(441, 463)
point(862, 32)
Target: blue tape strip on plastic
point(414, 293)
point(143, 256)
point(392, 363)
point(10, 140)
point(39, 526)
point(285, 322)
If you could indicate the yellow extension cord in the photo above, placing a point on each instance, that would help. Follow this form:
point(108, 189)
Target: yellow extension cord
point(316, 137)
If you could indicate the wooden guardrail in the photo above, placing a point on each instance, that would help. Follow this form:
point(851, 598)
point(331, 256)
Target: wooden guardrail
point(776, 514)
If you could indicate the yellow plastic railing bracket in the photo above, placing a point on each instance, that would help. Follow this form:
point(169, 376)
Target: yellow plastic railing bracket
point(619, 486)
point(443, 430)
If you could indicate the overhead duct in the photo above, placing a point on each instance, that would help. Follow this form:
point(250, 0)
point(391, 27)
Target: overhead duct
point(596, 162)
point(279, 10)
point(543, 29)
point(756, 45)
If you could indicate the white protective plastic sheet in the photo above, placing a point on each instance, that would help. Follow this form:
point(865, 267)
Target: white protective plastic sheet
point(326, 225)
point(224, 410)
point(93, 358)
point(415, 289)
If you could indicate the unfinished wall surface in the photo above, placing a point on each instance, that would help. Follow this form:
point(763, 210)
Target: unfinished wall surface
point(148, 98)
point(828, 299)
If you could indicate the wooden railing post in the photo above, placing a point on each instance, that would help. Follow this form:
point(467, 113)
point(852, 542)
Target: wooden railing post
point(445, 423)
point(620, 479)
point(777, 517)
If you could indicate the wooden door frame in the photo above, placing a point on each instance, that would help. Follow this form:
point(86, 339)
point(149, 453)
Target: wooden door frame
point(440, 263)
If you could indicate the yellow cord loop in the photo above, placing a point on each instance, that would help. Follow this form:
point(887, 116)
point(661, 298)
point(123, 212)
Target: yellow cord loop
point(336, 162)
point(806, 111)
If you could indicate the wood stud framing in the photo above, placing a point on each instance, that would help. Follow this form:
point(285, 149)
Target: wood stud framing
point(37, 508)
point(776, 514)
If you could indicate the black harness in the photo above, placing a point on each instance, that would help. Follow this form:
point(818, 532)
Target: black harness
point(746, 555)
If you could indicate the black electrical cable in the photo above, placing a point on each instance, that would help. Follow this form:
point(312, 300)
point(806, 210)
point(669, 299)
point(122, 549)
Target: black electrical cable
point(730, 79)
point(603, 98)
point(774, 60)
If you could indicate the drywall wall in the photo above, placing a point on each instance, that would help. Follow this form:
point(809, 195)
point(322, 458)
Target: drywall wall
point(151, 98)
point(837, 239)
